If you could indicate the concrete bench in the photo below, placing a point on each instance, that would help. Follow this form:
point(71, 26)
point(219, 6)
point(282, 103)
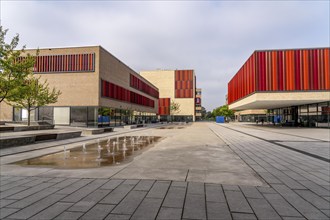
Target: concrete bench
point(16, 141)
point(322, 124)
point(6, 142)
point(92, 131)
point(134, 126)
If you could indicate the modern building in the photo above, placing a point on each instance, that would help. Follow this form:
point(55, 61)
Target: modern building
point(175, 86)
point(97, 90)
point(293, 85)
point(198, 104)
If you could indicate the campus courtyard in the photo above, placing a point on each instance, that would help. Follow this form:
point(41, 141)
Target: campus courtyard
point(199, 170)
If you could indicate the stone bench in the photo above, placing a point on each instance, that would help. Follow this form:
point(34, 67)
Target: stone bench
point(134, 126)
point(92, 131)
point(6, 142)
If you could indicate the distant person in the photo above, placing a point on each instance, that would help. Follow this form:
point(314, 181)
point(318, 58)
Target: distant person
point(262, 121)
point(257, 121)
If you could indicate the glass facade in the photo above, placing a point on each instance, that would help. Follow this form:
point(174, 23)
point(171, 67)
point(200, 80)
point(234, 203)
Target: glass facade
point(87, 116)
point(311, 115)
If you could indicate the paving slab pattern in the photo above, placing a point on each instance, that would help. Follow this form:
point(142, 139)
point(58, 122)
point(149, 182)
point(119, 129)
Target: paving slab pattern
point(297, 187)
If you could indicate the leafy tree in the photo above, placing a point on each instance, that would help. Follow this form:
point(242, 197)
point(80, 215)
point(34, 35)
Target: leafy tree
point(32, 94)
point(223, 111)
point(203, 112)
point(13, 68)
point(174, 108)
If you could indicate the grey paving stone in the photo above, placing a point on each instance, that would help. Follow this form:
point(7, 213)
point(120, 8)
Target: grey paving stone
point(144, 185)
point(74, 186)
point(230, 188)
point(117, 194)
point(282, 207)
point(263, 209)
point(214, 193)
point(99, 211)
point(196, 188)
point(117, 217)
point(52, 211)
point(112, 184)
point(294, 175)
point(179, 184)
point(30, 191)
point(292, 184)
point(217, 211)
point(69, 216)
point(148, 209)
point(89, 201)
point(265, 190)
point(175, 197)
point(169, 214)
point(244, 216)
point(12, 191)
point(294, 218)
point(298, 203)
point(159, 189)
point(4, 212)
point(22, 203)
point(319, 190)
point(5, 202)
point(269, 178)
point(11, 185)
point(129, 204)
point(131, 182)
point(56, 180)
point(326, 198)
point(326, 212)
point(237, 202)
point(194, 207)
point(84, 191)
point(36, 207)
point(67, 182)
point(37, 181)
point(251, 192)
point(314, 199)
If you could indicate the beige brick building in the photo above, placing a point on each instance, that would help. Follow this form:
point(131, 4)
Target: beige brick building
point(178, 86)
point(97, 89)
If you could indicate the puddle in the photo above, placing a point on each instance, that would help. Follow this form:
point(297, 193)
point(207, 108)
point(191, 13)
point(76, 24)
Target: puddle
point(110, 152)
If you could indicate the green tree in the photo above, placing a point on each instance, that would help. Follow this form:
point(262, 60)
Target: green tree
point(223, 111)
point(13, 67)
point(203, 112)
point(174, 108)
point(32, 94)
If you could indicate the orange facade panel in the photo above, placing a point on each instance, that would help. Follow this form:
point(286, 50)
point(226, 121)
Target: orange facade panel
point(281, 70)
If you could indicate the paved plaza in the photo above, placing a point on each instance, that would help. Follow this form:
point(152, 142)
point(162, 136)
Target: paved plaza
point(200, 171)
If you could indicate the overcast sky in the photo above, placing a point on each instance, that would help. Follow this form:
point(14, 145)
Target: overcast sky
point(214, 38)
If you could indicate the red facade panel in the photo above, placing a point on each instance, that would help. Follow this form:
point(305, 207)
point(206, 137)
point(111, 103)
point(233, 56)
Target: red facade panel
point(138, 84)
point(288, 70)
point(114, 91)
point(164, 106)
point(184, 80)
point(65, 63)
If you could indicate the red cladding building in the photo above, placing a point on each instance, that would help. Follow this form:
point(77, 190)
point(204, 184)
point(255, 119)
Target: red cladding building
point(289, 83)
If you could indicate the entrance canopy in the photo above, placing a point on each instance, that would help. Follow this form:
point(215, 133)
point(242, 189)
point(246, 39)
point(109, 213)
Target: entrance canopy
point(271, 100)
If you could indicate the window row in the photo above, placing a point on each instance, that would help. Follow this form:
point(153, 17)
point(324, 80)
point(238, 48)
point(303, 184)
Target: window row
point(138, 84)
point(114, 91)
point(65, 63)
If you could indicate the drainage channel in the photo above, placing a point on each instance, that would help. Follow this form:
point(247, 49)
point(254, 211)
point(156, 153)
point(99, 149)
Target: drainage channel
point(282, 145)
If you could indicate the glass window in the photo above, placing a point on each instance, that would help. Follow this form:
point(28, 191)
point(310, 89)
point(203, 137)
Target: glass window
point(46, 114)
point(92, 116)
point(17, 114)
point(78, 116)
point(313, 108)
